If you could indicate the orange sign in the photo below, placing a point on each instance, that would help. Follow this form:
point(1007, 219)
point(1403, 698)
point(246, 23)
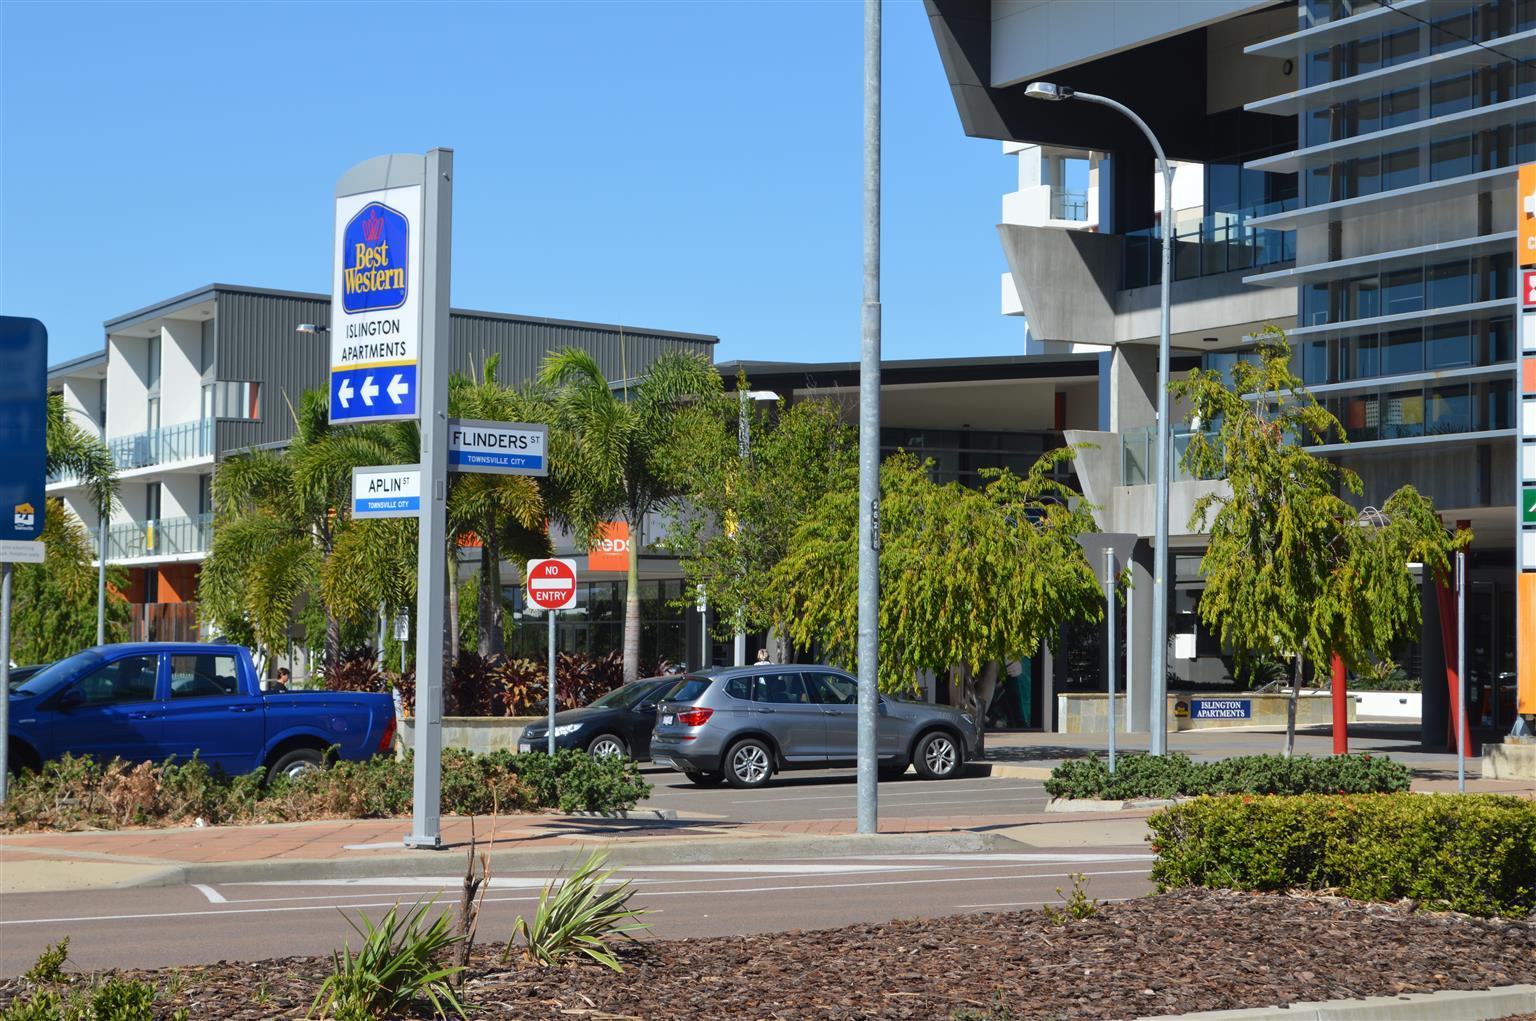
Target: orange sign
point(1525, 213)
point(611, 553)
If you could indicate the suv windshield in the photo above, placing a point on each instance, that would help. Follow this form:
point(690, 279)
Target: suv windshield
point(689, 689)
point(626, 696)
point(54, 674)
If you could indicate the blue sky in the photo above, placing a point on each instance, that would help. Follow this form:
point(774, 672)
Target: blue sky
point(688, 166)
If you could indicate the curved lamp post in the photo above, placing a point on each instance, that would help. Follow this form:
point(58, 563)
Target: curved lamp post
point(1157, 739)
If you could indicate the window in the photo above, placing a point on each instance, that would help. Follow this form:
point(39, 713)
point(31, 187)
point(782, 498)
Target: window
point(152, 415)
point(204, 676)
point(1449, 345)
point(1450, 410)
point(1400, 107)
point(130, 679)
point(1362, 176)
point(1448, 284)
point(1404, 414)
point(739, 687)
point(1314, 365)
point(1402, 291)
point(1451, 31)
point(1363, 296)
point(835, 689)
point(689, 689)
point(205, 494)
point(1367, 362)
point(1320, 126)
point(1361, 416)
point(1451, 158)
point(780, 689)
point(1451, 95)
point(1398, 47)
point(152, 375)
point(152, 500)
point(1402, 351)
point(232, 399)
point(205, 358)
point(1400, 169)
point(1497, 341)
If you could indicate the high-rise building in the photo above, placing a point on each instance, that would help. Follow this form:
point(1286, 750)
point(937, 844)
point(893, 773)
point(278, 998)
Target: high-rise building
point(1359, 162)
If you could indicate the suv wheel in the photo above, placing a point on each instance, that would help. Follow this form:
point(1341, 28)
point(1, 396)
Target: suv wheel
point(703, 779)
point(938, 757)
point(748, 764)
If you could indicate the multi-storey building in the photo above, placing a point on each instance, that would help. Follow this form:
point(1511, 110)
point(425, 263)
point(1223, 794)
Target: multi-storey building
point(186, 382)
point(1359, 161)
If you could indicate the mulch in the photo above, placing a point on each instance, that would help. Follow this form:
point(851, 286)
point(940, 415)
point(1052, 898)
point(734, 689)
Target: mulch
point(1172, 953)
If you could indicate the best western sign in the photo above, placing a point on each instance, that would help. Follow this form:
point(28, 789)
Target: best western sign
point(376, 305)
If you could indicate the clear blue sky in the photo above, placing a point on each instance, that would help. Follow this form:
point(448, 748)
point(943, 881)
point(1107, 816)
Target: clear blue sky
point(688, 166)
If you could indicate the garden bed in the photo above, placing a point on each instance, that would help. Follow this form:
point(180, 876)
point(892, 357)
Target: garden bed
point(1140, 776)
point(1172, 953)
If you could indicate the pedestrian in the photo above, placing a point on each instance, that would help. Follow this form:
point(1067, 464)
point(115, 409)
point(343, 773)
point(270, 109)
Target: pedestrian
point(280, 684)
point(762, 656)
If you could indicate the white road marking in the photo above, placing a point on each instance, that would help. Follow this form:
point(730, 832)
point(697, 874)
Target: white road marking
point(648, 895)
point(388, 845)
point(1037, 903)
point(214, 896)
point(1043, 857)
point(442, 882)
point(851, 792)
point(937, 805)
point(802, 869)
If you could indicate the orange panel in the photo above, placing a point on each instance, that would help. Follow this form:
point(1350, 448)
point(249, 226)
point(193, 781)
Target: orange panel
point(1528, 375)
point(1525, 214)
point(611, 553)
point(1525, 644)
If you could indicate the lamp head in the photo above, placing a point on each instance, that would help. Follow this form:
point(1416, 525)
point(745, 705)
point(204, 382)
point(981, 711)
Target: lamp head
point(1048, 90)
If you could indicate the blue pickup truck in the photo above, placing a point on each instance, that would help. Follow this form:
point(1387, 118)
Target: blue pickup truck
point(155, 700)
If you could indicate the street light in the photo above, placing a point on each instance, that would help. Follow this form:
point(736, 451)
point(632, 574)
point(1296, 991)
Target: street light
point(1157, 740)
point(744, 441)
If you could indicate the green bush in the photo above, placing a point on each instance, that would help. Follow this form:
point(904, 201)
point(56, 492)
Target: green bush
point(76, 793)
point(51, 994)
point(1467, 852)
point(398, 961)
point(1170, 776)
point(579, 915)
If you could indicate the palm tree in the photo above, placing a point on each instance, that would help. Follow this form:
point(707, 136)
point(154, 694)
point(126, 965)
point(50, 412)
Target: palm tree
point(279, 517)
point(628, 454)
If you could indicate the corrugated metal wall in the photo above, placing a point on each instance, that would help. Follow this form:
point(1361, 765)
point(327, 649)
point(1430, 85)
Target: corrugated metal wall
point(256, 342)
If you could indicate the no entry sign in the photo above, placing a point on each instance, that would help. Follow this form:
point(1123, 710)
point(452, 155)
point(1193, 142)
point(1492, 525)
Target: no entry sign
point(552, 584)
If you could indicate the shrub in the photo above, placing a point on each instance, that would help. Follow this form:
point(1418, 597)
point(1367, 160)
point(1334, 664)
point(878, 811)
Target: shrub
point(1149, 776)
point(581, 914)
point(1471, 852)
point(397, 962)
point(53, 995)
point(510, 686)
point(356, 670)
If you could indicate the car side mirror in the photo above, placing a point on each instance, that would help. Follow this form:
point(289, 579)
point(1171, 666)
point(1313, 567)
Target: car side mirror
point(74, 698)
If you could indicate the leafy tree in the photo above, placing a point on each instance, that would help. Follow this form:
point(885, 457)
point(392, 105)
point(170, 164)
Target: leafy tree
point(628, 454)
point(969, 578)
point(54, 603)
point(741, 517)
point(73, 449)
point(278, 518)
point(1290, 569)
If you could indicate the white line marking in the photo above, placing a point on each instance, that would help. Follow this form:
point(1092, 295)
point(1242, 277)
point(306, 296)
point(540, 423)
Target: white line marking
point(1036, 903)
point(214, 897)
point(442, 882)
point(1061, 858)
point(853, 793)
point(804, 869)
point(936, 805)
point(389, 845)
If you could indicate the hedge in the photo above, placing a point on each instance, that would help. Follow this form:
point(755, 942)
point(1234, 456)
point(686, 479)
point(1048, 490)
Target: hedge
point(77, 793)
point(1171, 776)
point(1464, 852)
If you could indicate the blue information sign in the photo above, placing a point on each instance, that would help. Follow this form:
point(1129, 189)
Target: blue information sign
point(1221, 708)
point(23, 425)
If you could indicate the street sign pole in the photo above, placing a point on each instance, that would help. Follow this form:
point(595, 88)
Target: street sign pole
point(1114, 652)
point(5, 675)
point(1113, 549)
point(551, 614)
point(1461, 672)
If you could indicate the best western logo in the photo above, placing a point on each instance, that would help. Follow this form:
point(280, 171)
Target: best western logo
point(374, 259)
point(26, 516)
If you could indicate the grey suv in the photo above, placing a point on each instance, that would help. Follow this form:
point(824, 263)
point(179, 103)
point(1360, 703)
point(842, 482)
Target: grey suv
point(743, 724)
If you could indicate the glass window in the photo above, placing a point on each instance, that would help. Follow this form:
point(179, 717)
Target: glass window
point(1320, 126)
point(1320, 66)
point(780, 689)
point(1448, 284)
point(835, 689)
point(1362, 176)
point(1525, 142)
point(1400, 169)
point(1402, 351)
point(689, 689)
point(152, 376)
point(1398, 47)
point(1365, 115)
point(1314, 304)
point(1449, 345)
point(1400, 107)
point(1402, 291)
point(205, 356)
point(1451, 158)
point(130, 679)
point(1494, 404)
point(1367, 360)
point(1319, 185)
point(1450, 410)
point(739, 688)
point(1364, 297)
point(1497, 341)
point(1451, 95)
point(1365, 55)
point(1314, 367)
point(1451, 31)
point(1361, 416)
point(204, 676)
point(1404, 414)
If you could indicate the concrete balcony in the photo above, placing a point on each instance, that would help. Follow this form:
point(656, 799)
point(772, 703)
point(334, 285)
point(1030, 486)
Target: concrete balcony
point(188, 441)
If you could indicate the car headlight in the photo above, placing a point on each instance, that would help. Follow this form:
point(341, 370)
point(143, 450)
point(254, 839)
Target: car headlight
point(567, 728)
point(970, 721)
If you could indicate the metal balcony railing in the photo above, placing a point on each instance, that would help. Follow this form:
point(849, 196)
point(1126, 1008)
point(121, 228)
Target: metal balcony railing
point(159, 537)
point(164, 445)
point(1221, 243)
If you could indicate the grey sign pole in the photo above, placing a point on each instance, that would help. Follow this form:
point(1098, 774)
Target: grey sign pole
point(1114, 651)
point(437, 197)
point(869, 435)
point(103, 522)
point(551, 615)
point(6, 570)
point(1461, 671)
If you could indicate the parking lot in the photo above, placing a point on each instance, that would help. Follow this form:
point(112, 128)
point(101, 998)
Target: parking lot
point(831, 794)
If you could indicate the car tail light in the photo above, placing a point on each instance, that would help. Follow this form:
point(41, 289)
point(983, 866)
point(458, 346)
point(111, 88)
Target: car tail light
point(388, 739)
point(695, 717)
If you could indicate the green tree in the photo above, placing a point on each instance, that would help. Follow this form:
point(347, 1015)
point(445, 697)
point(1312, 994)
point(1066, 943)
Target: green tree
point(278, 518)
point(54, 603)
point(75, 450)
point(628, 454)
point(1290, 569)
point(742, 514)
point(969, 578)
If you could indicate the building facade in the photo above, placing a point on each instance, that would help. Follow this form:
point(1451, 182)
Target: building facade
point(1359, 163)
point(188, 381)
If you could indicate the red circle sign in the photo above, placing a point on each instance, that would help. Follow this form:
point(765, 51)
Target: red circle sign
point(551, 584)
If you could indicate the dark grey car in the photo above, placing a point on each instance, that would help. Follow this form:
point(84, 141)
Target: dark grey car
point(743, 724)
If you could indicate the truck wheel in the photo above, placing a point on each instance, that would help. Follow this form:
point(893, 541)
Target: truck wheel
point(748, 764)
point(938, 757)
point(296, 763)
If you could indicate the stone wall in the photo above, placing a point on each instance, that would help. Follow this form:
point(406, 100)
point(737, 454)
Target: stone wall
point(1088, 712)
point(472, 733)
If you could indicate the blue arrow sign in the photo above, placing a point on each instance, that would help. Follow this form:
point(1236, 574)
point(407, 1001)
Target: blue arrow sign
point(373, 393)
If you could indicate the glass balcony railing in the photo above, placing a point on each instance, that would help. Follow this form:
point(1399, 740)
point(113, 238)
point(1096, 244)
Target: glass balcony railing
point(158, 537)
point(1221, 243)
point(1138, 456)
point(164, 445)
point(1069, 205)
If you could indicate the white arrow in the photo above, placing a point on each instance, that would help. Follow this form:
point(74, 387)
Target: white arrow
point(368, 391)
point(397, 388)
point(345, 392)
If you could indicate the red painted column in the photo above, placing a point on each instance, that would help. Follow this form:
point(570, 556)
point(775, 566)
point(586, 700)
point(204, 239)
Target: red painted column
point(1340, 709)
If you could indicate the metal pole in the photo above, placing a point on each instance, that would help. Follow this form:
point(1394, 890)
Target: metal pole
point(1461, 671)
point(551, 737)
point(383, 623)
point(1157, 689)
point(103, 521)
point(869, 435)
point(432, 394)
point(1114, 652)
point(744, 442)
point(5, 675)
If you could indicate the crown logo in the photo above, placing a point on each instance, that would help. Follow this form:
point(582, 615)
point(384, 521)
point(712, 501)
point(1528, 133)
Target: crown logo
point(373, 227)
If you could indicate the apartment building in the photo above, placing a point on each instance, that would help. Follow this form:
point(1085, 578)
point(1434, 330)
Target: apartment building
point(1359, 161)
point(186, 382)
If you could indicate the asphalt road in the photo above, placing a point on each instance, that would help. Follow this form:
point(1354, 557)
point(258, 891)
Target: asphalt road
point(166, 926)
point(831, 794)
